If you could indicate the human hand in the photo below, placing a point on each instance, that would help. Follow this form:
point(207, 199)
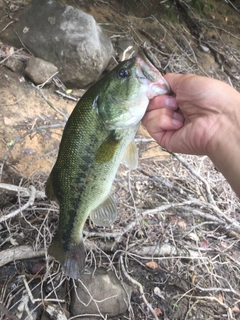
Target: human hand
point(197, 117)
point(202, 117)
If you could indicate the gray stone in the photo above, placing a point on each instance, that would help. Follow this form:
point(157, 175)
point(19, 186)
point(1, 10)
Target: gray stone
point(14, 64)
point(69, 38)
point(39, 70)
point(103, 292)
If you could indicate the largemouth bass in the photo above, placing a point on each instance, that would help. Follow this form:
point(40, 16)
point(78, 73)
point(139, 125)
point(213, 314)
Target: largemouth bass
point(97, 137)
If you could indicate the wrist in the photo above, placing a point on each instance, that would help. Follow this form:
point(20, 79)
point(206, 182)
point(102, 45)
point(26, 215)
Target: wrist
point(224, 148)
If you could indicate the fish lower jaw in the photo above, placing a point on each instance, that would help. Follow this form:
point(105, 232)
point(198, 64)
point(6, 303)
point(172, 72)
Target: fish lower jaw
point(158, 88)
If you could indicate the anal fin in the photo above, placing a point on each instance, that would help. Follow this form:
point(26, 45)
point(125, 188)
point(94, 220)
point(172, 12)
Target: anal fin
point(105, 214)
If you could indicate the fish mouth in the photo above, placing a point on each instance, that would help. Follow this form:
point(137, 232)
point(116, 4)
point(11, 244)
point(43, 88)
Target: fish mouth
point(148, 74)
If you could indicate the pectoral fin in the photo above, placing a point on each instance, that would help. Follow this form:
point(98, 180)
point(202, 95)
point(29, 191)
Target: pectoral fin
point(106, 213)
point(131, 156)
point(108, 148)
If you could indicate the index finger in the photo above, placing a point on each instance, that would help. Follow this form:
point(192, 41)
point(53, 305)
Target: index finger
point(163, 101)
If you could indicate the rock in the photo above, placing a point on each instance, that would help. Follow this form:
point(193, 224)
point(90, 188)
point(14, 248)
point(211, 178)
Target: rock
point(65, 36)
point(14, 64)
point(110, 296)
point(39, 70)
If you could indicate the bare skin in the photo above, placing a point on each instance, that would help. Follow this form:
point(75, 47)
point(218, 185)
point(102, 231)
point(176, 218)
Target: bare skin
point(202, 117)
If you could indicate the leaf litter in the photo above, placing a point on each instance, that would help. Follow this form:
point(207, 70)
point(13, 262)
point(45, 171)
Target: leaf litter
point(177, 237)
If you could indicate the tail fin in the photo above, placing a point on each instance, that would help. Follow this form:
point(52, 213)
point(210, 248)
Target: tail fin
point(72, 260)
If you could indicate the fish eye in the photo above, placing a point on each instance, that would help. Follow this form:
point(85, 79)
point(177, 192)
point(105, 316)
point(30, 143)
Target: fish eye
point(124, 73)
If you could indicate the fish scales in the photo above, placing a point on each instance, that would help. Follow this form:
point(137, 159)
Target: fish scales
point(95, 138)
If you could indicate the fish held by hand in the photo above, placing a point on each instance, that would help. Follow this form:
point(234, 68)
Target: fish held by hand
point(97, 137)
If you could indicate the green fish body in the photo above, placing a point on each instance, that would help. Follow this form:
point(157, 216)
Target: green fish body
point(96, 138)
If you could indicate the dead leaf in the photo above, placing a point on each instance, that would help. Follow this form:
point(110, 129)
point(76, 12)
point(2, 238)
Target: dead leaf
point(7, 121)
point(174, 220)
point(224, 244)
point(11, 51)
point(157, 292)
point(158, 311)
point(182, 223)
point(152, 265)
point(192, 236)
point(220, 297)
point(235, 309)
point(204, 244)
point(13, 242)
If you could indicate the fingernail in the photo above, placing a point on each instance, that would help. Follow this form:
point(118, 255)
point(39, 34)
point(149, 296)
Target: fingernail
point(177, 123)
point(178, 119)
point(171, 102)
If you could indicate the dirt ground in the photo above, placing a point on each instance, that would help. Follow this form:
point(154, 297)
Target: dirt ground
point(179, 222)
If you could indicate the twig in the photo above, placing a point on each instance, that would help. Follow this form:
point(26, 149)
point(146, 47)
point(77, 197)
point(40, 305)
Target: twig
point(125, 52)
point(55, 313)
point(11, 104)
point(28, 289)
point(89, 296)
point(7, 313)
point(140, 287)
point(1, 62)
point(49, 103)
point(218, 289)
point(40, 86)
point(212, 299)
point(234, 7)
point(166, 250)
point(68, 96)
point(6, 26)
point(23, 192)
point(19, 253)
point(197, 175)
point(22, 43)
point(169, 184)
point(129, 227)
point(25, 206)
point(185, 210)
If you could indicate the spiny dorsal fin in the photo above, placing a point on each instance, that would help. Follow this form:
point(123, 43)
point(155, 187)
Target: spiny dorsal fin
point(105, 214)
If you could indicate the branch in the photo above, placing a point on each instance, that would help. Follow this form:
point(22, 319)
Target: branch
point(39, 89)
point(166, 250)
point(7, 313)
point(169, 184)
point(25, 206)
point(187, 165)
point(140, 287)
point(23, 192)
point(19, 253)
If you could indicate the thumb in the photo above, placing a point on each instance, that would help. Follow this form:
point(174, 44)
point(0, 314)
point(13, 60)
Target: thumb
point(177, 80)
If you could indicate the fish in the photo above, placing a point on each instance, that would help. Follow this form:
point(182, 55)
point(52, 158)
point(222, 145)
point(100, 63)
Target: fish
point(97, 137)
